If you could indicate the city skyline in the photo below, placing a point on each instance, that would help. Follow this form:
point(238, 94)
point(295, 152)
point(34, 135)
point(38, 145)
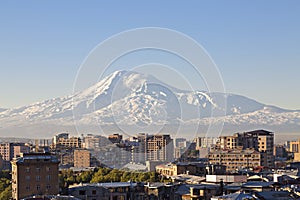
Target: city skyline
point(43, 46)
point(139, 100)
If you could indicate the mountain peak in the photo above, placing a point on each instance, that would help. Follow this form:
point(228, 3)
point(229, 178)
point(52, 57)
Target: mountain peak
point(134, 98)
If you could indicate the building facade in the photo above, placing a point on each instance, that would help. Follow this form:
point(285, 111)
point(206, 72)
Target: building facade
point(10, 150)
point(152, 148)
point(181, 168)
point(235, 159)
point(259, 140)
point(159, 148)
point(64, 140)
point(34, 174)
point(94, 141)
point(295, 149)
point(205, 142)
point(82, 158)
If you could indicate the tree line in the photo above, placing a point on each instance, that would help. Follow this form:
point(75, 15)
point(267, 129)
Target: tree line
point(101, 174)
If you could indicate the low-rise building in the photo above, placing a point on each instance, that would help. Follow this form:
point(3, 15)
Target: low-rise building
point(226, 178)
point(64, 140)
point(256, 186)
point(181, 168)
point(159, 191)
point(108, 191)
point(235, 159)
point(202, 191)
point(89, 192)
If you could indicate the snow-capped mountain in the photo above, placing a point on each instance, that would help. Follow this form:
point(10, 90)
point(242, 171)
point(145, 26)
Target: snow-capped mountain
point(135, 100)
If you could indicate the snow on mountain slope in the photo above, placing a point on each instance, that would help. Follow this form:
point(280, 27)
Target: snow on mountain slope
point(134, 98)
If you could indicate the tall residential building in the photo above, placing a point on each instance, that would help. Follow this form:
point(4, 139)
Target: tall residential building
point(82, 158)
point(94, 141)
point(34, 174)
point(266, 147)
point(295, 149)
point(152, 148)
point(260, 140)
point(294, 146)
point(280, 151)
point(228, 142)
point(139, 151)
point(205, 142)
point(59, 137)
point(180, 147)
point(159, 148)
point(10, 150)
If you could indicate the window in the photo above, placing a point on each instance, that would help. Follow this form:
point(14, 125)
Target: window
point(81, 192)
point(37, 178)
point(28, 188)
point(48, 177)
point(27, 170)
point(38, 187)
point(48, 169)
point(48, 187)
point(38, 169)
point(27, 178)
point(94, 192)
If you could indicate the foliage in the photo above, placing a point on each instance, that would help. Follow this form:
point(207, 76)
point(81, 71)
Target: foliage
point(115, 175)
point(68, 177)
point(5, 185)
point(6, 194)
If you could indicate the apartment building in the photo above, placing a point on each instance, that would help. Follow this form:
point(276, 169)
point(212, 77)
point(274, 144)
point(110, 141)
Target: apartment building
point(205, 142)
point(10, 150)
point(259, 140)
point(34, 174)
point(94, 141)
point(63, 139)
point(82, 158)
point(235, 159)
point(295, 148)
point(159, 148)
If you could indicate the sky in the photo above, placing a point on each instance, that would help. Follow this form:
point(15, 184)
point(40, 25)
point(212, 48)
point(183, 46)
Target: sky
point(255, 44)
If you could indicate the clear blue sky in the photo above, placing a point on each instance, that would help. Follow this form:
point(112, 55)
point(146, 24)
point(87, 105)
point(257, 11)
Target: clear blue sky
point(256, 44)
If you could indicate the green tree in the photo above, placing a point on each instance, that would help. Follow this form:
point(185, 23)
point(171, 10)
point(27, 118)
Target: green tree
point(84, 177)
point(125, 176)
point(6, 194)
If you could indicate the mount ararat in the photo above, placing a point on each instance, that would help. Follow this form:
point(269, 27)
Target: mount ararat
point(132, 102)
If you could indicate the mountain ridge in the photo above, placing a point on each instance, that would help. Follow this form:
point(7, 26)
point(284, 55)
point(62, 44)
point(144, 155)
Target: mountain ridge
point(127, 98)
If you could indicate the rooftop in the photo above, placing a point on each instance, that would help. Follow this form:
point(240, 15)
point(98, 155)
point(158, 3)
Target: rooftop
point(36, 156)
point(106, 185)
point(259, 132)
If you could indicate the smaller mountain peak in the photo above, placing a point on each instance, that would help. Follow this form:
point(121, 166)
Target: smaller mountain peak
point(119, 72)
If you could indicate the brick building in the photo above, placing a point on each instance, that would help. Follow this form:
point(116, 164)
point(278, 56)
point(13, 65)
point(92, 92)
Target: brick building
point(34, 174)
